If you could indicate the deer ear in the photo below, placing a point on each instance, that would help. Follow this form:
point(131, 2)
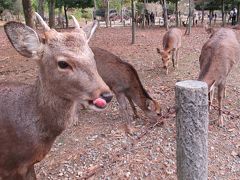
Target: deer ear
point(149, 104)
point(154, 106)
point(90, 29)
point(159, 51)
point(157, 107)
point(23, 38)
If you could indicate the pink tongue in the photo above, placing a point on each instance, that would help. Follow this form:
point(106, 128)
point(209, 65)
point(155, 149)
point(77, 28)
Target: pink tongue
point(99, 102)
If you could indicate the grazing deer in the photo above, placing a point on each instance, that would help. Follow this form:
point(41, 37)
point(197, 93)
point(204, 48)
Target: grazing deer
point(209, 30)
point(171, 44)
point(217, 58)
point(32, 116)
point(123, 80)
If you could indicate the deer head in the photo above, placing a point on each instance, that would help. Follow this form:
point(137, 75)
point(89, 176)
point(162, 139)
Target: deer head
point(154, 108)
point(67, 67)
point(166, 55)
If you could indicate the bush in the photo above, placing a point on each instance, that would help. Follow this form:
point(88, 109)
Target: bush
point(87, 13)
point(82, 13)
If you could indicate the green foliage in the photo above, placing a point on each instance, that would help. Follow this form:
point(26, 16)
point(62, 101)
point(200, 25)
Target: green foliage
point(139, 8)
point(17, 7)
point(35, 4)
point(100, 4)
point(216, 5)
point(6, 4)
point(74, 3)
point(113, 4)
point(86, 13)
point(82, 13)
point(149, 1)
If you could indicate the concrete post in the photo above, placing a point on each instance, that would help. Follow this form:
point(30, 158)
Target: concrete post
point(192, 130)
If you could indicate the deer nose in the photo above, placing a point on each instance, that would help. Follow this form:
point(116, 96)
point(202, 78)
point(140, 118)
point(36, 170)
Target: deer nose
point(107, 96)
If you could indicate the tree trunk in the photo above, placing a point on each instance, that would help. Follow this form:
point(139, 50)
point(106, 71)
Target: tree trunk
point(202, 12)
point(51, 13)
point(107, 14)
point(121, 10)
point(223, 14)
point(65, 14)
point(60, 17)
point(176, 9)
point(28, 13)
point(133, 22)
point(41, 8)
point(189, 18)
point(165, 15)
point(238, 8)
point(144, 14)
point(192, 130)
point(94, 9)
point(211, 17)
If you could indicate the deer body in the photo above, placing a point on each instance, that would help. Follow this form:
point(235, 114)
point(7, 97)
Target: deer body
point(217, 58)
point(32, 116)
point(124, 81)
point(27, 133)
point(172, 40)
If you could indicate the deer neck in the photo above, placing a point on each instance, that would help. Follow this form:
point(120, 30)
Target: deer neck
point(55, 112)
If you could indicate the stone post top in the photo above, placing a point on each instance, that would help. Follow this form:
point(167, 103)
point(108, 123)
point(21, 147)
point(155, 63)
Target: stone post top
point(191, 84)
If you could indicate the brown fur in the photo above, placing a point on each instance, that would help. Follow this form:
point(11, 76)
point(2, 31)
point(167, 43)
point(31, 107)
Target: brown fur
point(209, 30)
point(124, 81)
point(32, 116)
point(217, 58)
point(171, 44)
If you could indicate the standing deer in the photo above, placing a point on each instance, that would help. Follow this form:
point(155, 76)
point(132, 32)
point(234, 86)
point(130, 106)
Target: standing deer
point(217, 58)
point(123, 80)
point(171, 44)
point(32, 116)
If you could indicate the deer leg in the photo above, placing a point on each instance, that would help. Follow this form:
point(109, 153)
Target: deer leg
point(123, 106)
point(210, 98)
point(225, 92)
point(166, 71)
point(31, 175)
point(26, 175)
point(133, 107)
point(173, 58)
point(221, 89)
point(177, 57)
point(75, 120)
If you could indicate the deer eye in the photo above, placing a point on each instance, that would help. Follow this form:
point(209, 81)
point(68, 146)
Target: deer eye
point(63, 65)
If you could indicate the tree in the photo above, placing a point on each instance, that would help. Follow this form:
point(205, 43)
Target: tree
point(6, 4)
point(51, 7)
point(165, 14)
point(73, 4)
point(94, 9)
point(17, 8)
point(28, 12)
point(41, 8)
point(133, 21)
point(189, 18)
point(107, 12)
point(176, 10)
point(223, 5)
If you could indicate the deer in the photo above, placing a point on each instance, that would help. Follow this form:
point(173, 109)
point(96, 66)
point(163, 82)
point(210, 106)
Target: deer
point(172, 40)
point(210, 30)
point(123, 80)
point(33, 115)
point(218, 55)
